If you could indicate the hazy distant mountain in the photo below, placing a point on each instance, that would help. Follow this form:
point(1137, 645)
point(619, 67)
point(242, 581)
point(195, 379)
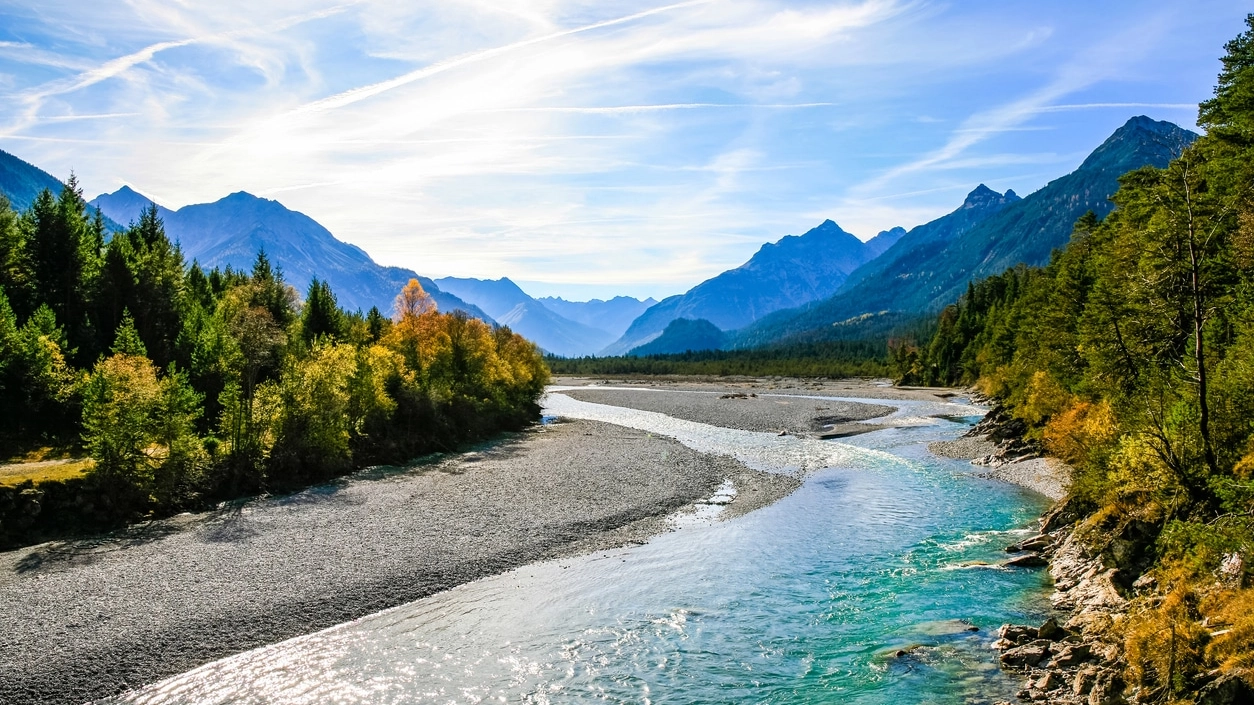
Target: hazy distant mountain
point(683, 335)
point(230, 232)
point(877, 245)
point(511, 306)
point(930, 266)
point(611, 316)
point(794, 271)
point(21, 182)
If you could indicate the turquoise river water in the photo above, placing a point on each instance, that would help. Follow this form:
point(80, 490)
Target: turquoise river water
point(809, 600)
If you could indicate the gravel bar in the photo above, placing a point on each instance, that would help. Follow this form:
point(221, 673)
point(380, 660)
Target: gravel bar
point(88, 619)
point(736, 409)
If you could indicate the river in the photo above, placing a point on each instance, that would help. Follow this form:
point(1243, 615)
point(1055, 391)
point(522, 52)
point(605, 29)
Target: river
point(875, 582)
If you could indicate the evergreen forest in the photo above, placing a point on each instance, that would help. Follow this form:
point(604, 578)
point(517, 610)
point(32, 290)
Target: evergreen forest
point(1131, 356)
point(188, 387)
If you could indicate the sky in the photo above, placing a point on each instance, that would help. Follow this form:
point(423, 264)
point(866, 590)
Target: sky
point(589, 149)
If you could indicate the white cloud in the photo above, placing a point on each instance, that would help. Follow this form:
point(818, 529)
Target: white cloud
point(567, 140)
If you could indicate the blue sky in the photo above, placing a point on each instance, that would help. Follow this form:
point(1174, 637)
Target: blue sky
point(591, 148)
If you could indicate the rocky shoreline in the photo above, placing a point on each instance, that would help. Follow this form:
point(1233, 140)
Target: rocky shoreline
point(1067, 660)
point(1072, 662)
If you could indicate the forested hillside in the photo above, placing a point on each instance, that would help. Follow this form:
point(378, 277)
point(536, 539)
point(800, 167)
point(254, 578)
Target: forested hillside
point(1131, 356)
point(187, 386)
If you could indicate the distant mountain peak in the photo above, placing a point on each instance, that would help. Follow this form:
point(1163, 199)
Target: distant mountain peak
point(980, 196)
point(1149, 124)
point(1122, 151)
point(877, 245)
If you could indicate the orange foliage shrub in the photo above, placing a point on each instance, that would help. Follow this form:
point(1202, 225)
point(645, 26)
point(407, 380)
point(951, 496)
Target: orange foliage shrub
point(1074, 434)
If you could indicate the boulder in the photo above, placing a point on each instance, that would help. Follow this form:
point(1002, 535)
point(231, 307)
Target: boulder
point(1027, 560)
point(1050, 630)
point(1107, 689)
point(1049, 681)
point(1084, 680)
point(1064, 513)
point(1072, 655)
point(1016, 633)
point(1027, 655)
point(1037, 543)
point(1226, 690)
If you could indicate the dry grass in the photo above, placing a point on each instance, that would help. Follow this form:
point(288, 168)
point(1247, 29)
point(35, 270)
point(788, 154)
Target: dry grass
point(44, 470)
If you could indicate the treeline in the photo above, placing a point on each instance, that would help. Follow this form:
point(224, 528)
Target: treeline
point(1131, 356)
point(848, 358)
point(189, 386)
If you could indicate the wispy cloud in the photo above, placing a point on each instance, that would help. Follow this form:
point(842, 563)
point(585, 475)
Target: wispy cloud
point(528, 138)
point(1090, 67)
point(372, 90)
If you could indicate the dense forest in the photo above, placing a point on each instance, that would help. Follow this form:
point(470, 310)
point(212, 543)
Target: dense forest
point(186, 387)
point(1131, 356)
point(858, 358)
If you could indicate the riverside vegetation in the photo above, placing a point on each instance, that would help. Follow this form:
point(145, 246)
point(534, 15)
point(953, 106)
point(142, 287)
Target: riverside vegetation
point(188, 387)
point(1131, 356)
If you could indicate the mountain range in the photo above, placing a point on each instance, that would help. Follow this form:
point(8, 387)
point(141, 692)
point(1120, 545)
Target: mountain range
point(231, 231)
point(823, 284)
point(612, 316)
point(930, 266)
point(795, 270)
point(533, 319)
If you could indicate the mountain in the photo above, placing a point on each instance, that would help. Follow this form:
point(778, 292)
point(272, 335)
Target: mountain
point(126, 204)
point(613, 316)
point(931, 265)
point(230, 232)
point(511, 306)
point(794, 271)
point(877, 245)
point(22, 182)
point(683, 335)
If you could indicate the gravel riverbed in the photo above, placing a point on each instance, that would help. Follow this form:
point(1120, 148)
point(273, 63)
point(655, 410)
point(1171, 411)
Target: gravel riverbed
point(768, 412)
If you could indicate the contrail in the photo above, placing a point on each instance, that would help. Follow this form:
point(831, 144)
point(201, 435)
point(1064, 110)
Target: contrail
point(617, 109)
point(114, 67)
point(1096, 106)
point(358, 94)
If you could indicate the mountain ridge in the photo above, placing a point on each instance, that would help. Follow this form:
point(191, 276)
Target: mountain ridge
point(21, 183)
point(233, 229)
point(930, 267)
point(793, 270)
point(510, 305)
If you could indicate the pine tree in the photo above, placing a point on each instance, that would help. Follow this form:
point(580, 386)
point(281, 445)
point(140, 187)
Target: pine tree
point(321, 316)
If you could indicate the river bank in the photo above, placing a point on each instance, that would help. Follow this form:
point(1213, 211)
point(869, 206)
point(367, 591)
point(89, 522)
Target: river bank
point(87, 619)
point(1074, 657)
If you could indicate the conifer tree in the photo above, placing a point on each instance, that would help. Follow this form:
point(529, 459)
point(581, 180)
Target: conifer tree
point(321, 316)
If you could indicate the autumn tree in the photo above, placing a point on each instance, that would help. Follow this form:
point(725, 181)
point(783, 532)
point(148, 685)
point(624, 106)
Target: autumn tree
point(135, 421)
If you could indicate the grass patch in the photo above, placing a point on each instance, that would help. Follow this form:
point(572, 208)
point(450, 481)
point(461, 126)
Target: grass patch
point(44, 471)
